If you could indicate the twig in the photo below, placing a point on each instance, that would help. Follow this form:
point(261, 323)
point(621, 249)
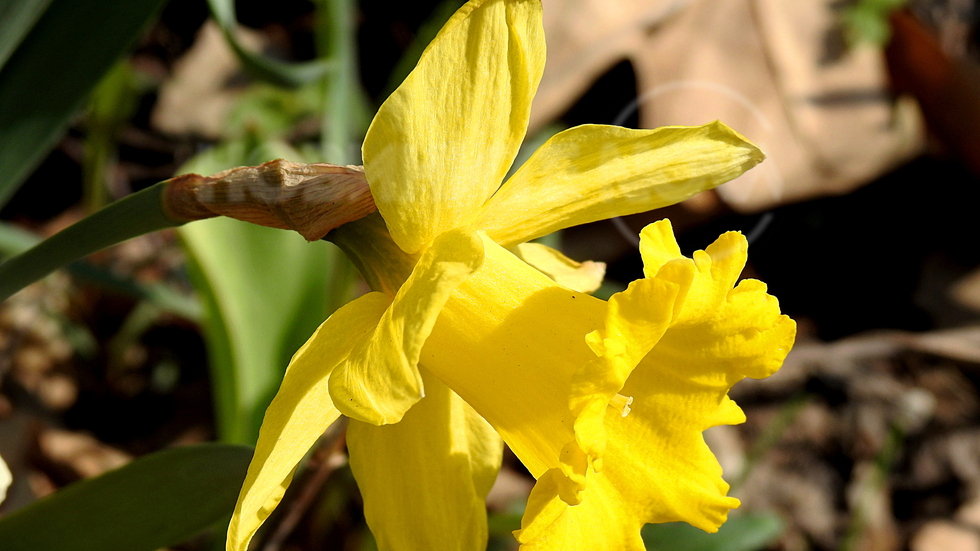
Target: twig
point(325, 460)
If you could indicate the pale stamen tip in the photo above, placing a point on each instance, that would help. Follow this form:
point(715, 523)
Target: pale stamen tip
point(622, 403)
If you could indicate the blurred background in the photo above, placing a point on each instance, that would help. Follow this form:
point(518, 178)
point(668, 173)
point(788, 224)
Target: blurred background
point(863, 221)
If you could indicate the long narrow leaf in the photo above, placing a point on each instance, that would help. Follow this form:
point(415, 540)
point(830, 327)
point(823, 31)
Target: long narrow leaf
point(156, 501)
point(15, 240)
point(52, 71)
point(264, 291)
point(137, 214)
point(17, 17)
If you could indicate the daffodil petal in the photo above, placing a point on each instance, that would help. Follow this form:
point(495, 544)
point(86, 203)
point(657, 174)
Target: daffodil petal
point(594, 172)
point(658, 246)
point(635, 320)
point(425, 479)
point(299, 414)
point(717, 268)
point(656, 464)
point(380, 380)
point(585, 277)
point(600, 521)
point(444, 140)
point(522, 340)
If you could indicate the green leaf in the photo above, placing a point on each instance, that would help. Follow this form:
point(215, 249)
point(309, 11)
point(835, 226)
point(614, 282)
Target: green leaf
point(156, 501)
point(48, 77)
point(264, 290)
point(744, 533)
point(277, 72)
point(16, 19)
point(867, 21)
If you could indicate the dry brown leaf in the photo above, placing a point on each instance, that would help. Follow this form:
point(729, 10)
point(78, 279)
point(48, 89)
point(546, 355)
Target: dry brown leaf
point(942, 535)
point(196, 98)
point(760, 66)
point(83, 454)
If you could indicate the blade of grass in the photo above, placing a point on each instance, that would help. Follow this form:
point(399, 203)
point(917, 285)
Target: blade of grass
point(17, 17)
point(129, 217)
point(337, 42)
point(112, 103)
point(52, 71)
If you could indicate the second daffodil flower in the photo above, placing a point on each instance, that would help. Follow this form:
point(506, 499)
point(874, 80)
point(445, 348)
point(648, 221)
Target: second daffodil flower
point(463, 344)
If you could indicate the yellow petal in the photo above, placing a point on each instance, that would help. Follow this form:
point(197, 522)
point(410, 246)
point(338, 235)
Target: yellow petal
point(380, 379)
point(657, 467)
point(585, 277)
point(635, 320)
point(593, 172)
point(425, 480)
point(523, 340)
point(600, 521)
point(299, 414)
point(444, 140)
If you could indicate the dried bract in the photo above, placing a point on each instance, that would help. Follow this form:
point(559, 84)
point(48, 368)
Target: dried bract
point(309, 198)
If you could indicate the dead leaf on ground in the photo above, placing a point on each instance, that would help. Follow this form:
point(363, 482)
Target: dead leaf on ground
point(767, 68)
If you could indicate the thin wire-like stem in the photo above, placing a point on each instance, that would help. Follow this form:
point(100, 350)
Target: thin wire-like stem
point(328, 458)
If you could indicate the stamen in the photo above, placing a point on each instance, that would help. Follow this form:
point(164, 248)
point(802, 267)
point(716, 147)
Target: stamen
point(622, 403)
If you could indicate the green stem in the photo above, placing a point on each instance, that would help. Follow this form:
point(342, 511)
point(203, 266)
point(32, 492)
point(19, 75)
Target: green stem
point(135, 215)
point(337, 45)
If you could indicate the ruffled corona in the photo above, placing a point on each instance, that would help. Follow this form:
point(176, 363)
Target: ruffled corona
point(523, 356)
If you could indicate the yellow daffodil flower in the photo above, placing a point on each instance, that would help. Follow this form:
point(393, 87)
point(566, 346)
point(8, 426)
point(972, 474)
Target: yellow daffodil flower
point(462, 344)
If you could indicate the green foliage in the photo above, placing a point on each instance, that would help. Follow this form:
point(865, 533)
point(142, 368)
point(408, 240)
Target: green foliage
point(53, 69)
point(259, 66)
point(134, 215)
point(744, 533)
point(264, 290)
point(156, 501)
point(111, 105)
point(867, 20)
point(17, 17)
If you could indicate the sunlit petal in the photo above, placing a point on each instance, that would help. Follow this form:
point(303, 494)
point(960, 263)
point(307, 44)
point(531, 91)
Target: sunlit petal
point(593, 172)
point(601, 521)
point(443, 141)
point(521, 338)
point(635, 320)
point(425, 479)
point(299, 414)
point(380, 380)
point(585, 277)
point(655, 466)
